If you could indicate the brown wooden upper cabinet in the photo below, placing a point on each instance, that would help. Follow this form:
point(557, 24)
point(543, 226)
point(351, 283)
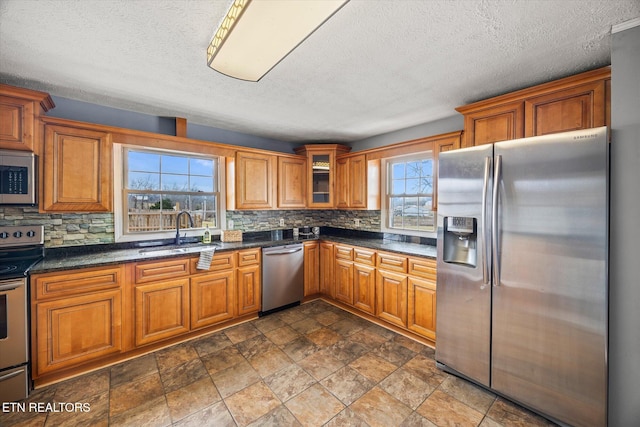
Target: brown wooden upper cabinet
point(19, 109)
point(442, 143)
point(254, 181)
point(78, 169)
point(321, 173)
point(357, 182)
point(577, 102)
point(292, 182)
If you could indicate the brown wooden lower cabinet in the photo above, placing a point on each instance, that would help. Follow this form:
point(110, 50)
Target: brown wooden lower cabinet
point(77, 330)
point(364, 288)
point(249, 289)
point(77, 317)
point(327, 284)
point(311, 268)
point(391, 297)
point(161, 310)
point(84, 318)
point(212, 298)
point(343, 272)
point(395, 288)
point(422, 307)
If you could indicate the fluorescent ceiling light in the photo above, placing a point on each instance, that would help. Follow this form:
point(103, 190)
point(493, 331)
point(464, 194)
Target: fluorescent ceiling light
point(257, 34)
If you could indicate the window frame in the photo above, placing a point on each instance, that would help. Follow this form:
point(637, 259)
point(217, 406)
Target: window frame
point(120, 194)
point(386, 183)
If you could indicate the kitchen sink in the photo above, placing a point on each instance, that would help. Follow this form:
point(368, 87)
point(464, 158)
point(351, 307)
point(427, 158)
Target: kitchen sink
point(161, 251)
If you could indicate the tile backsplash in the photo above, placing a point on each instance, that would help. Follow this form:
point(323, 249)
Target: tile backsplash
point(63, 229)
point(70, 229)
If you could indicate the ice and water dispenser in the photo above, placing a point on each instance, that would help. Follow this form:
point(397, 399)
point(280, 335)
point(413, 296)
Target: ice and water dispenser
point(460, 240)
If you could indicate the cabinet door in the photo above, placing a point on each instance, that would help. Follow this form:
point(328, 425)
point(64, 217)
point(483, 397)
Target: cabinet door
point(19, 109)
point(342, 183)
point(391, 297)
point(499, 123)
point(17, 124)
point(292, 182)
point(212, 298)
point(161, 310)
point(344, 281)
point(580, 107)
point(311, 268)
point(322, 177)
point(75, 330)
point(254, 180)
point(364, 288)
point(327, 284)
point(357, 181)
point(422, 307)
point(248, 289)
point(441, 146)
point(77, 170)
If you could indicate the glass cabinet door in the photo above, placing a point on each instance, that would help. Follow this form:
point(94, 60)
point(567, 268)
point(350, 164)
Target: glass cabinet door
point(320, 178)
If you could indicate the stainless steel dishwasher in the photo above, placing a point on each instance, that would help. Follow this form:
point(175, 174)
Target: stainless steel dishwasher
point(282, 277)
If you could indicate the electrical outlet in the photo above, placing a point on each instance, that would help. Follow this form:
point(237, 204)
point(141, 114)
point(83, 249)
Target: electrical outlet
point(281, 222)
point(230, 224)
point(357, 221)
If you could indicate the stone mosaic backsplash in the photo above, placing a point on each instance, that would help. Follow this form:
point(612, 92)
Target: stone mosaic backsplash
point(64, 229)
point(68, 229)
point(269, 220)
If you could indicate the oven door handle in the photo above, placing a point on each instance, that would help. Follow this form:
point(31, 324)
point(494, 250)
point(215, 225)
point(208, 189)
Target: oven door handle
point(10, 287)
point(11, 375)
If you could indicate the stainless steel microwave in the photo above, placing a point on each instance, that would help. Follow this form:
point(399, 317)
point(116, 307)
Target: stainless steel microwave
point(18, 177)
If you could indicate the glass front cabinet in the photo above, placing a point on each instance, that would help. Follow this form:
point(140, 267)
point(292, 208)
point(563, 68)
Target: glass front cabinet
point(321, 178)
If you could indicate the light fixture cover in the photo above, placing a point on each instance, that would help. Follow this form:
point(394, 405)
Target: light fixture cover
point(257, 34)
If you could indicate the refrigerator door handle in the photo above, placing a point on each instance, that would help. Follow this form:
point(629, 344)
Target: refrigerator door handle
point(486, 266)
point(494, 221)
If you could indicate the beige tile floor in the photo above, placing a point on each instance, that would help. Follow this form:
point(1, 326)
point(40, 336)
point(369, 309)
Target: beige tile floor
point(312, 365)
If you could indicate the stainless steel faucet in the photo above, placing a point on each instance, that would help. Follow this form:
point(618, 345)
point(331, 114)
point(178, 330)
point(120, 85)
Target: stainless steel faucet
point(178, 224)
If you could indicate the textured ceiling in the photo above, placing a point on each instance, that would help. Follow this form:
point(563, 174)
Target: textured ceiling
point(374, 67)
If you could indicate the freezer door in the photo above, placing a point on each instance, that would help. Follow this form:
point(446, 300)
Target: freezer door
point(550, 305)
point(463, 310)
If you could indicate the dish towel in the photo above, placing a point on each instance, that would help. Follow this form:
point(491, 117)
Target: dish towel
point(206, 255)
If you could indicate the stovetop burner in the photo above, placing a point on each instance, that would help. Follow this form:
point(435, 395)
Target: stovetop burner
point(21, 247)
point(7, 268)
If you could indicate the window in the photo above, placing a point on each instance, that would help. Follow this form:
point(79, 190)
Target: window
point(409, 195)
point(157, 185)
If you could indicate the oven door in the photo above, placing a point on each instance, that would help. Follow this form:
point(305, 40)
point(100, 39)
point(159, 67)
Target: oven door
point(14, 343)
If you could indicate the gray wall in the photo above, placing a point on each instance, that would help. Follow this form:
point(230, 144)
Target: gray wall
point(92, 113)
point(437, 127)
point(624, 274)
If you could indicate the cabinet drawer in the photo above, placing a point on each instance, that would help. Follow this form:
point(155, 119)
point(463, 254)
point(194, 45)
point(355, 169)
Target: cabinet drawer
point(159, 270)
point(343, 252)
point(364, 256)
point(56, 285)
point(392, 262)
point(220, 261)
point(249, 257)
point(422, 267)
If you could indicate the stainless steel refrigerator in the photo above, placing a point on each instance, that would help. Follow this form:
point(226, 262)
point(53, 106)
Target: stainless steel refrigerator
point(522, 271)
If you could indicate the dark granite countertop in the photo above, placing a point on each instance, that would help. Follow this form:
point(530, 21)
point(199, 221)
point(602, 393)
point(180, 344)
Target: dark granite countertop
point(57, 259)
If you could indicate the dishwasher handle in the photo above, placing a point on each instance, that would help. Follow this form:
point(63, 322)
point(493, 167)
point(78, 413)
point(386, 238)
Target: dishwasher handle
point(290, 251)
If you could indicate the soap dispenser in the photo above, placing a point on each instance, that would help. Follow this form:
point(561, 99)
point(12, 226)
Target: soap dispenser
point(206, 236)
